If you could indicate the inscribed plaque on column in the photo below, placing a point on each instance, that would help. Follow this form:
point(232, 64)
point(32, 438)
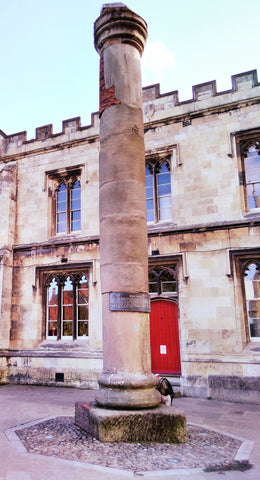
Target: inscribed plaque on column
point(129, 302)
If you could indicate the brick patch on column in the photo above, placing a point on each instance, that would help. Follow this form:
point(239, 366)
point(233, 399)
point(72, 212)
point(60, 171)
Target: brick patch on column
point(106, 95)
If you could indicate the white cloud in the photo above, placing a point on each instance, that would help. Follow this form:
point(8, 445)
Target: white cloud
point(157, 62)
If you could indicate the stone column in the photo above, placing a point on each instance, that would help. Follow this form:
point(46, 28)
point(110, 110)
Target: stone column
point(126, 381)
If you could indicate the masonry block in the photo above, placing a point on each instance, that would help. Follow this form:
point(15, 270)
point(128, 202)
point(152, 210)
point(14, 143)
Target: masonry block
point(162, 424)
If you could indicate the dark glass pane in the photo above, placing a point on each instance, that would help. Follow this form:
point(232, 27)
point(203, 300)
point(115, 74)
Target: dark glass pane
point(61, 207)
point(82, 312)
point(149, 179)
point(149, 192)
point(76, 226)
point(163, 178)
point(75, 194)
point(164, 189)
point(164, 168)
point(75, 215)
point(52, 329)
point(152, 277)
point(53, 313)
point(61, 196)
point(67, 297)
point(67, 312)
point(169, 287)
point(253, 193)
point(252, 166)
point(152, 287)
point(61, 228)
point(52, 308)
point(149, 204)
point(61, 217)
point(83, 296)
point(62, 187)
point(67, 329)
point(166, 275)
point(164, 208)
point(83, 329)
point(75, 204)
point(76, 184)
point(150, 216)
point(164, 214)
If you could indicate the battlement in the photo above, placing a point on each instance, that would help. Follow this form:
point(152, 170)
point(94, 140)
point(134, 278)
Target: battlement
point(240, 82)
point(205, 99)
point(156, 105)
point(70, 128)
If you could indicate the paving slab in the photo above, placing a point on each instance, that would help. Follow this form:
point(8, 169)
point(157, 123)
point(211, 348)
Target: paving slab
point(23, 405)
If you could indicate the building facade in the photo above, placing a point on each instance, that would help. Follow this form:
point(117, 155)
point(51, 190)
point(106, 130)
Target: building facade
point(203, 220)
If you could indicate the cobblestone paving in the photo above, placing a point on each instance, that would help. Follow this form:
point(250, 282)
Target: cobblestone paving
point(60, 437)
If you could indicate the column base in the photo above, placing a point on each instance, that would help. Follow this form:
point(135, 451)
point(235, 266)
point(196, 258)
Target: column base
point(128, 391)
point(162, 424)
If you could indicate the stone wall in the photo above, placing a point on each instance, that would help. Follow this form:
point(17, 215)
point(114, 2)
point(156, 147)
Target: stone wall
point(210, 228)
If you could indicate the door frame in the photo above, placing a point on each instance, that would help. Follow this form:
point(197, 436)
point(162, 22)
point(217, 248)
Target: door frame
point(175, 301)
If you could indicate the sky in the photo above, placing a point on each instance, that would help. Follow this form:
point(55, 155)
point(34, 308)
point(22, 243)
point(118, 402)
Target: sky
point(49, 68)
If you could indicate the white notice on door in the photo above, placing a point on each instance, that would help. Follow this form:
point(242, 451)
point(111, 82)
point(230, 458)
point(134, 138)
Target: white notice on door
point(163, 350)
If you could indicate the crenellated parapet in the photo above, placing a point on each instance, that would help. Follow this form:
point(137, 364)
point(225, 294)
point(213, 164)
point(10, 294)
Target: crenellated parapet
point(239, 82)
point(156, 107)
point(72, 131)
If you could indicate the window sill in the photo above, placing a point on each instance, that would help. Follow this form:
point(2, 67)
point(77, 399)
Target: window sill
point(53, 343)
point(252, 213)
point(160, 226)
point(253, 347)
point(67, 235)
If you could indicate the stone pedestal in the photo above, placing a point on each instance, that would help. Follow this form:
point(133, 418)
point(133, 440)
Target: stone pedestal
point(126, 408)
point(162, 424)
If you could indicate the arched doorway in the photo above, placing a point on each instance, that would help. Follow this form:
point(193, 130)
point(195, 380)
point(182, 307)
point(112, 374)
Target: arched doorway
point(164, 335)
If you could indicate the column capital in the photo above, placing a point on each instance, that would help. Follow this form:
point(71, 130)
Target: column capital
point(118, 24)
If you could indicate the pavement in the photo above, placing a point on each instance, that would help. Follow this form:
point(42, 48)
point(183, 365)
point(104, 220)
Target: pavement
point(24, 404)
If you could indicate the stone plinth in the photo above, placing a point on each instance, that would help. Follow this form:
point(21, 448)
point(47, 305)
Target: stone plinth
point(162, 424)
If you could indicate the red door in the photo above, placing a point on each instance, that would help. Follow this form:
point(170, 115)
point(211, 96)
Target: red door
point(164, 333)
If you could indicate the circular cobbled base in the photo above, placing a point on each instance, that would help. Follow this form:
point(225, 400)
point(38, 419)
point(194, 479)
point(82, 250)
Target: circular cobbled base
point(205, 449)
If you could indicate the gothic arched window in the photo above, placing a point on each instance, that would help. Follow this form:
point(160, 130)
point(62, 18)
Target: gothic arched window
point(158, 191)
point(68, 206)
point(67, 306)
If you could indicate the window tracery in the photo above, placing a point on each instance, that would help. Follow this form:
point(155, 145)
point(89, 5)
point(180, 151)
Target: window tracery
point(162, 280)
point(67, 315)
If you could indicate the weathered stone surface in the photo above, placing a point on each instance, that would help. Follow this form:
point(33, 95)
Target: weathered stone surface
point(162, 424)
point(120, 36)
point(229, 387)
